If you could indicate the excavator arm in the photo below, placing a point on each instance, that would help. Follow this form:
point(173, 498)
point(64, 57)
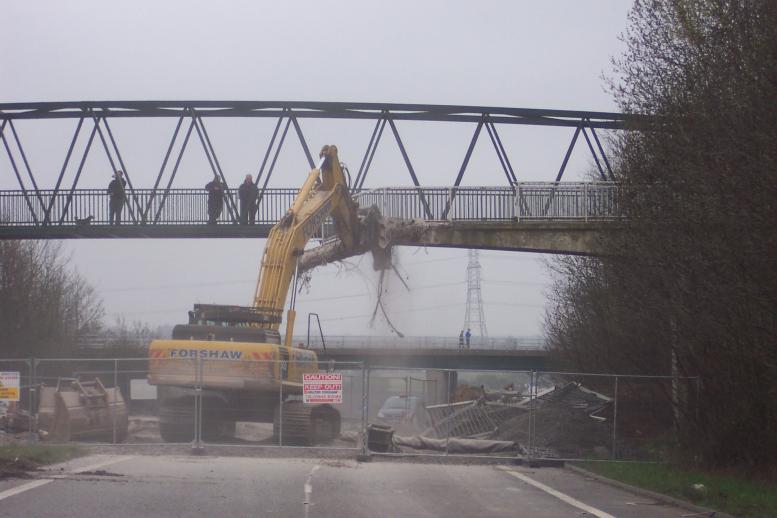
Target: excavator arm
point(324, 193)
point(243, 387)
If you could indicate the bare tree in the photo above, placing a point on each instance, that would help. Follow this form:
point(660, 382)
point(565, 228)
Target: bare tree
point(44, 305)
point(690, 286)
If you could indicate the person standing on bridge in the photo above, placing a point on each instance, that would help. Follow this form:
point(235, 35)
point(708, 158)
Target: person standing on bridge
point(248, 194)
point(215, 199)
point(117, 198)
point(468, 335)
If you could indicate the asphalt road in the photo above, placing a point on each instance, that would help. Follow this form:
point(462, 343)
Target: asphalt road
point(231, 487)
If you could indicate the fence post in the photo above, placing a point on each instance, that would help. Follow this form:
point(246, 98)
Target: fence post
point(585, 200)
point(197, 443)
point(280, 403)
point(31, 398)
point(532, 416)
point(448, 421)
point(115, 399)
point(614, 419)
point(518, 203)
point(365, 407)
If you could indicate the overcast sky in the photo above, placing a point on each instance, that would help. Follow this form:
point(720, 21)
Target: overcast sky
point(530, 54)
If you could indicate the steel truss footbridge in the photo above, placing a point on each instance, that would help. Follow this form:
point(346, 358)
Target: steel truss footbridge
point(52, 205)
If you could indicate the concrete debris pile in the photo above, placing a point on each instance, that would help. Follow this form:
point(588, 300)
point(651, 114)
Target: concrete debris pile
point(16, 420)
point(15, 424)
point(568, 421)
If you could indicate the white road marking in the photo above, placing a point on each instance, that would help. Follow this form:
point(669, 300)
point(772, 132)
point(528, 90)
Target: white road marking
point(558, 494)
point(43, 481)
point(309, 488)
point(25, 487)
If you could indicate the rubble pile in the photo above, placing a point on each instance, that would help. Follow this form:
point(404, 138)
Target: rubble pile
point(569, 421)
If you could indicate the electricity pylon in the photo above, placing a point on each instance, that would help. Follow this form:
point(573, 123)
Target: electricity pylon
point(474, 318)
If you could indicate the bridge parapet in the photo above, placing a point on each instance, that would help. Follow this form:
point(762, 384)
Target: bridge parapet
point(48, 213)
point(524, 200)
point(143, 206)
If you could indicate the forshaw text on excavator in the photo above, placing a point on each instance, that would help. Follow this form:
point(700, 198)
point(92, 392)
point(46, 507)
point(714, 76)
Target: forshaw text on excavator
point(234, 354)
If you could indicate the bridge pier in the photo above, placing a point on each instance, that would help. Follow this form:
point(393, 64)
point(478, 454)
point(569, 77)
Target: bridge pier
point(444, 385)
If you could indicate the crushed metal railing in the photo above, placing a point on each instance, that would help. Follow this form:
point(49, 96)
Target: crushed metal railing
point(470, 419)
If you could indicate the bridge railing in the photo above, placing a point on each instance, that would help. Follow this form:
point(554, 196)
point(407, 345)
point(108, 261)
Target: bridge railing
point(173, 207)
point(529, 201)
point(540, 201)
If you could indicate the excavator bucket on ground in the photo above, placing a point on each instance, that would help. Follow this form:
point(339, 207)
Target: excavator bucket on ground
point(75, 410)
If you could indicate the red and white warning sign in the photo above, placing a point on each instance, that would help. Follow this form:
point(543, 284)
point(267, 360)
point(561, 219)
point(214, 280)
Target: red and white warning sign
point(9, 386)
point(322, 387)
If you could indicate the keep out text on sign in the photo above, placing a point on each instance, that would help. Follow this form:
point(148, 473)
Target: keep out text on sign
point(322, 387)
point(9, 386)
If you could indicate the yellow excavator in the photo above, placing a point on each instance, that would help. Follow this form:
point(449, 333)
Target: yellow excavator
point(232, 356)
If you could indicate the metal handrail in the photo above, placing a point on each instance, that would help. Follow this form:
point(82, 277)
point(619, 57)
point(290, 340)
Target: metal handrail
point(91, 206)
point(521, 201)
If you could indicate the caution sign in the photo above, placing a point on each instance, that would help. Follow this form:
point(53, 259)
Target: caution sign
point(322, 387)
point(9, 386)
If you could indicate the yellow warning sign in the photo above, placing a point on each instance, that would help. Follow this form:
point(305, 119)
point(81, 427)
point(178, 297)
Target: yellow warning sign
point(9, 386)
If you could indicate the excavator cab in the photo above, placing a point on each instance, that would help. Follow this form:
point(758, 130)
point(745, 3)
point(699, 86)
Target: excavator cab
point(227, 323)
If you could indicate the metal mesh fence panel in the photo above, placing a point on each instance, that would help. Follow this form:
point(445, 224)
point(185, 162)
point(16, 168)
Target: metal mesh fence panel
point(650, 415)
point(572, 416)
point(298, 402)
point(444, 412)
point(141, 398)
point(608, 417)
point(271, 403)
point(113, 401)
point(79, 400)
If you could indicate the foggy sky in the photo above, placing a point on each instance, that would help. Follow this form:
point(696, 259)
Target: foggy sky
point(519, 54)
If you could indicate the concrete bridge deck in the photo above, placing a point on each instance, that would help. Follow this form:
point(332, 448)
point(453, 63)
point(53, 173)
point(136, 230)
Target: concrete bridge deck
point(540, 217)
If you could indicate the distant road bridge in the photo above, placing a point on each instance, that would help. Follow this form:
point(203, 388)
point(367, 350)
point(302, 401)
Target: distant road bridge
point(438, 352)
point(430, 352)
point(554, 217)
point(476, 359)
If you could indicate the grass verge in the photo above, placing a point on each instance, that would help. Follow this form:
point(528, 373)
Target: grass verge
point(723, 492)
point(37, 454)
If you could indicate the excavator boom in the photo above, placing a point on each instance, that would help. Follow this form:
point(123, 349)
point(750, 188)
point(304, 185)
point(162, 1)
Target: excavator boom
point(242, 367)
point(324, 193)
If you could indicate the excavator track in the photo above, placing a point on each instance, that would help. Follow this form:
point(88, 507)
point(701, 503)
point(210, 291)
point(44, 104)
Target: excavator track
point(305, 425)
